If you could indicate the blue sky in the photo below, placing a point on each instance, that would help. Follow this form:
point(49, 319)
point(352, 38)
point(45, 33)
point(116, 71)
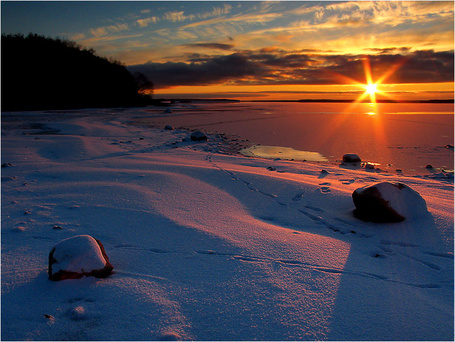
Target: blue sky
point(286, 43)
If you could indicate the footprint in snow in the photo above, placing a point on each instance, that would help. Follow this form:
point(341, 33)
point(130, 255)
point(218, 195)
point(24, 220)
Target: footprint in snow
point(378, 255)
point(297, 197)
point(325, 188)
point(314, 208)
point(80, 299)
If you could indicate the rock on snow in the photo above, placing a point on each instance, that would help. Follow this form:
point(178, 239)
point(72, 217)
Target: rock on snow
point(351, 158)
point(78, 256)
point(388, 202)
point(198, 136)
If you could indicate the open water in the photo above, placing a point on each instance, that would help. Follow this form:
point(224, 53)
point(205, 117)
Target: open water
point(405, 136)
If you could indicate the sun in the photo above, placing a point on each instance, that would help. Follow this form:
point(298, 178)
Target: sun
point(371, 88)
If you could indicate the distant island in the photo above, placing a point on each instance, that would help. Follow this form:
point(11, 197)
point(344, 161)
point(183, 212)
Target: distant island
point(165, 102)
point(45, 73)
point(382, 101)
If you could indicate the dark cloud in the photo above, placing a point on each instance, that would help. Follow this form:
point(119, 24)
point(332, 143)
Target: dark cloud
point(213, 46)
point(215, 70)
point(426, 66)
point(390, 50)
point(279, 67)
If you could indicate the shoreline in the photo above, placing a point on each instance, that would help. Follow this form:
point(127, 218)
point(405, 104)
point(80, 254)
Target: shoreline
point(233, 143)
point(170, 101)
point(242, 122)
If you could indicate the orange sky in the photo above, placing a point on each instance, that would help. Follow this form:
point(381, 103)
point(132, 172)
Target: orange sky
point(261, 50)
point(416, 91)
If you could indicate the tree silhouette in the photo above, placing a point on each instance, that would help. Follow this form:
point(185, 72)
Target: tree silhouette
point(45, 73)
point(144, 84)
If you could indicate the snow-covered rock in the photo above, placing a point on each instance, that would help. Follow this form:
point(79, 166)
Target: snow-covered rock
point(369, 166)
point(351, 158)
point(198, 136)
point(388, 202)
point(78, 256)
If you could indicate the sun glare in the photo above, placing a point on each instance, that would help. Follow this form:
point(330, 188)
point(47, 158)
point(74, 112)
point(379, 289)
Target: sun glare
point(371, 88)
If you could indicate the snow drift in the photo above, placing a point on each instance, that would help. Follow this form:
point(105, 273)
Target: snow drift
point(208, 245)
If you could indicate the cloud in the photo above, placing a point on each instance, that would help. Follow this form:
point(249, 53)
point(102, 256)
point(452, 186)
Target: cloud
point(147, 21)
point(240, 21)
point(389, 50)
point(212, 46)
point(171, 34)
point(77, 36)
point(105, 30)
point(264, 67)
point(177, 16)
point(216, 12)
point(212, 71)
point(356, 13)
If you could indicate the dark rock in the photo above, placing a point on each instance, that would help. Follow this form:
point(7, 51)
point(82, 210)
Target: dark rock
point(428, 166)
point(198, 136)
point(169, 127)
point(387, 202)
point(77, 257)
point(351, 158)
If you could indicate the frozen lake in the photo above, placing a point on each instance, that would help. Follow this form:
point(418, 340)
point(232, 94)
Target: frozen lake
point(406, 136)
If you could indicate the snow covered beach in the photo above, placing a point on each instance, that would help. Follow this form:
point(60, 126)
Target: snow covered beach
point(209, 245)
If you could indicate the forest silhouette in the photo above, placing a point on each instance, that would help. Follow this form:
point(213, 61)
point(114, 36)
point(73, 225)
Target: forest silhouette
point(50, 73)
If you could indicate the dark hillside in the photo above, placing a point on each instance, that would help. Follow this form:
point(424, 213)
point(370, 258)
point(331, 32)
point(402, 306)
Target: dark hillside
point(45, 73)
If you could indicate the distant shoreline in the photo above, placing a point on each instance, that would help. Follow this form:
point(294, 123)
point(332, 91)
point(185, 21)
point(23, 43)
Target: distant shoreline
point(169, 102)
point(165, 102)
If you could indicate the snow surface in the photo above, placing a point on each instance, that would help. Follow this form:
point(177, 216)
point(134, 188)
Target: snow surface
point(207, 245)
